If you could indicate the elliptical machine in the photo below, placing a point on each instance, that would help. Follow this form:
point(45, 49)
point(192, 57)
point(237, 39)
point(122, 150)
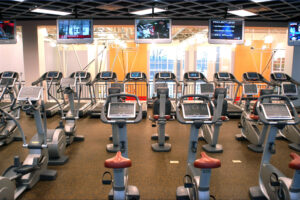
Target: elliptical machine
point(121, 114)
point(210, 132)
point(161, 113)
point(8, 128)
point(249, 120)
point(272, 183)
point(67, 87)
point(21, 176)
point(197, 178)
point(289, 87)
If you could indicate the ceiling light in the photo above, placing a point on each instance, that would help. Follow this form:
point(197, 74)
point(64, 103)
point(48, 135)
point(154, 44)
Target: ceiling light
point(241, 13)
point(260, 1)
point(268, 39)
point(51, 12)
point(148, 11)
point(264, 47)
point(248, 42)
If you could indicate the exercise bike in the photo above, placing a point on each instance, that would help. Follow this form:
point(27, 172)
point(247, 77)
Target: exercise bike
point(273, 184)
point(161, 114)
point(197, 178)
point(24, 175)
point(210, 132)
point(67, 87)
point(8, 128)
point(121, 114)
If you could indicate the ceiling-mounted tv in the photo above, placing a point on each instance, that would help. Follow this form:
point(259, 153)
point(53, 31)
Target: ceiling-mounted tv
point(74, 31)
point(8, 32)
point(153, 30)
point(294, 34)
point(226, 31)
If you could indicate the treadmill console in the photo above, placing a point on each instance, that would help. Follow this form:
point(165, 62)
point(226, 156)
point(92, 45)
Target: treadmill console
point(81, 74)
point(194, 75)
point(52, 75)
point(136, 75)
point(289, 89)
point(118, 110)
point(252, 76)
point(207, 88)
point(279, 76)
point(250, 89)
point(7, 74)
point(196, 111)
point(164, 75)
point(31, 93)
point(106, 75)
point(223, 75)
point(276, 111)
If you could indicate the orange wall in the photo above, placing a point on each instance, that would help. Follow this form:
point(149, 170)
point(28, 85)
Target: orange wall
point(247, 60)
point(138, 64)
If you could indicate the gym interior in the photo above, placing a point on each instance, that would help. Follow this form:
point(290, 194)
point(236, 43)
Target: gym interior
point(158, 99)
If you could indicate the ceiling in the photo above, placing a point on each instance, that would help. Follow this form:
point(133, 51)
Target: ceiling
point(278, 10)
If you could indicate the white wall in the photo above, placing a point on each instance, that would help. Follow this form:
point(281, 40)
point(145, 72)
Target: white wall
point(11, 56)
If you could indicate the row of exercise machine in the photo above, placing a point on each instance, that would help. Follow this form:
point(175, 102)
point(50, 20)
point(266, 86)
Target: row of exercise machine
point(204, 106)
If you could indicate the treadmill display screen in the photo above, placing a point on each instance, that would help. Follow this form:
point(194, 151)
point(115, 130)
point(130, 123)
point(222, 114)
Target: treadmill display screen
point(7, 75)
point(207, 88)
point(81, 74)
point(106, 75)
point(118, 110)
point(289, 89)
point(279, 76)
point(223, 75)
point(9, 82)
point(136, 75)
point(250, 89)
point(193, 75)
point(276, 111)
point(252, 76)
point(195, 111)
point(164, 75)
point(52, 74)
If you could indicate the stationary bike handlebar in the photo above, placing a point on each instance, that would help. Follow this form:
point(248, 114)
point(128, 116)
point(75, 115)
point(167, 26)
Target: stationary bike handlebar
point(108, 100)
point(290, 105)
point(201, 97)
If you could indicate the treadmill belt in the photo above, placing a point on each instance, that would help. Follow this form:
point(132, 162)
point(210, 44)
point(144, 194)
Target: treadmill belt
point(49, 105)
point(76, 106)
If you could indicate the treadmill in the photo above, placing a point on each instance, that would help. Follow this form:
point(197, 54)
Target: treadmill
point(286, 85)
point(52, 79)
point(101, 83)
point(196, 83)
point(226, 79)
point(161, 79)
point(4, 102)
point(83, 80)
point(133, 84)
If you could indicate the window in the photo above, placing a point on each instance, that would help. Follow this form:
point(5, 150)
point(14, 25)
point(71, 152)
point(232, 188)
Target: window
point(278, 61)
point(201, 62)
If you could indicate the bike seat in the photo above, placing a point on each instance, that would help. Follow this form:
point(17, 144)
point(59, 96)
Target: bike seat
point(224, 118)
point(157, 116)
point(254, 117)
point(117, 162)
point(206, 162)
point(295, 163)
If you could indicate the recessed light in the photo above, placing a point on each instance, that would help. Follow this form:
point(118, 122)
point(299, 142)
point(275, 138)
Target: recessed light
point(241, 13)
point(148, 11)
point(260, 1)
point(51, 12)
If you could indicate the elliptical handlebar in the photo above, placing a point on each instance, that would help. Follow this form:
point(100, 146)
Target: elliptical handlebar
point(201, 97)
point(108, 100)
point(288, 102)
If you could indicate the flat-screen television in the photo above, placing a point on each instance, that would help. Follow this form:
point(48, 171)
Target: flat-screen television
point(294, 34)
point(153, 30)
point(74, 31)
point(226, 31)
point(8, 32)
